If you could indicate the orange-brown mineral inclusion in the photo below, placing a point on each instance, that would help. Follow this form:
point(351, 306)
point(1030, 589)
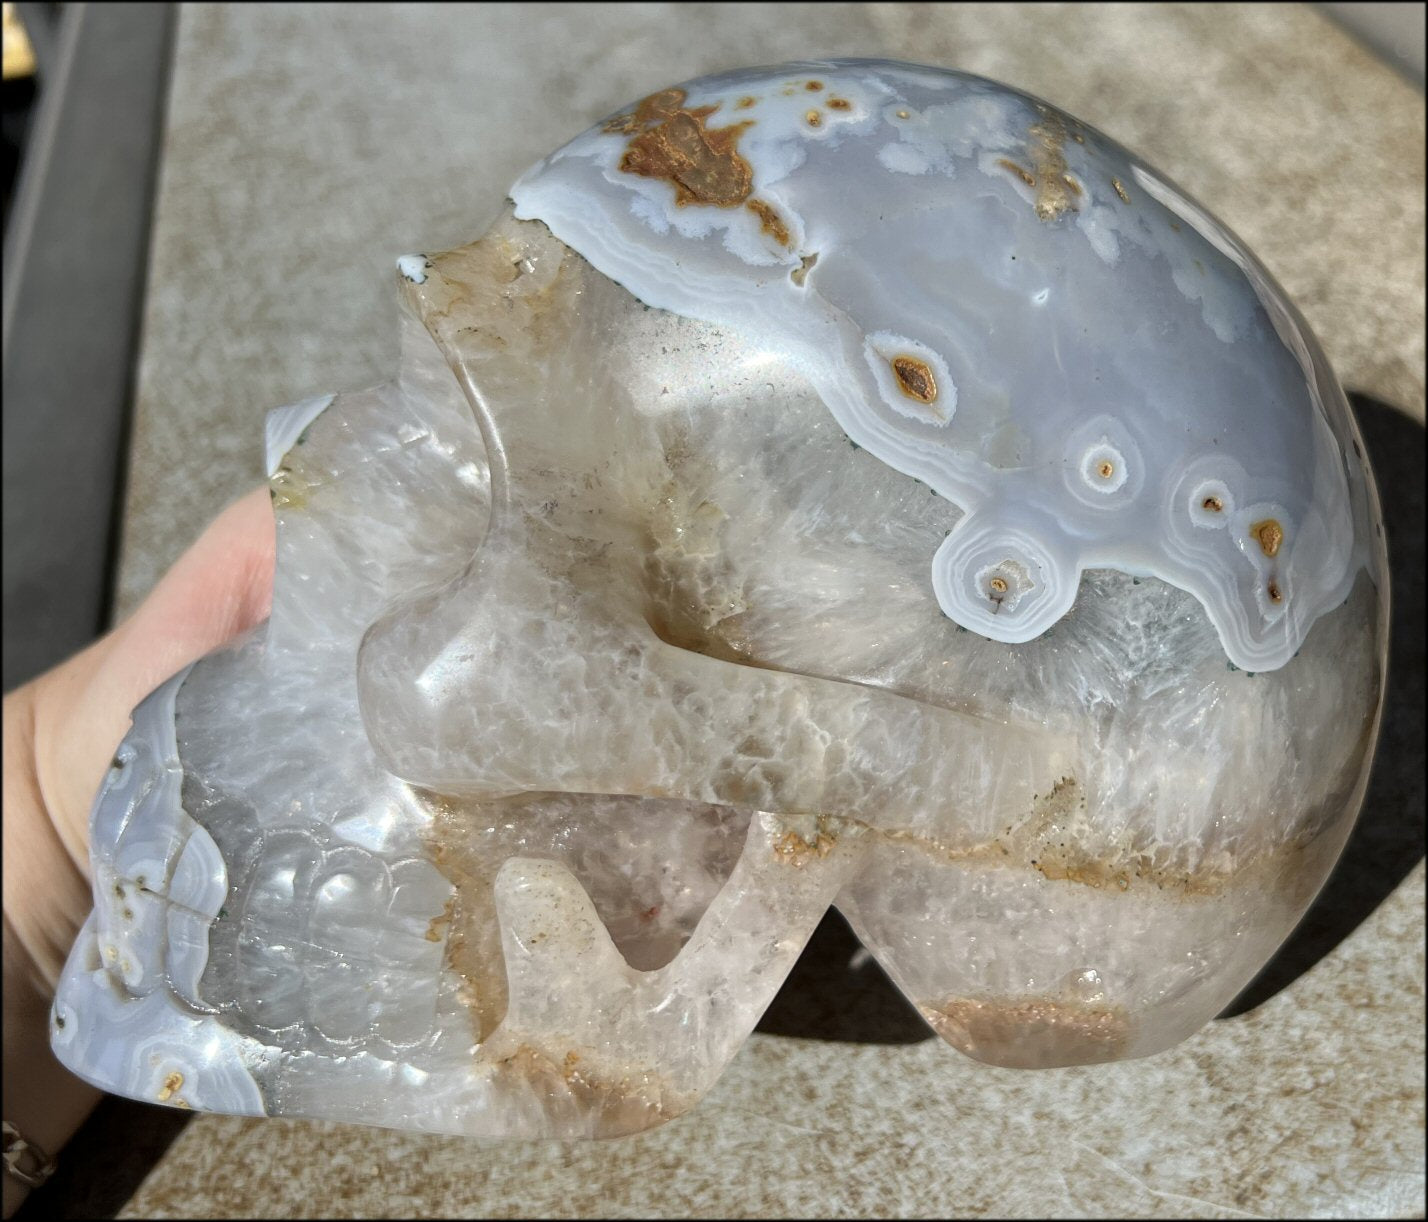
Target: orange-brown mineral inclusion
point(1056, 190)
point(1270, 535)
point(675, 144)
point(914, 378)
point(770, 221)
point(1025, 175)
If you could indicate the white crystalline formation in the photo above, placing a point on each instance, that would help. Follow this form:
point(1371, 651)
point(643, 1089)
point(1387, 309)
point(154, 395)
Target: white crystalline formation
point(843, 482)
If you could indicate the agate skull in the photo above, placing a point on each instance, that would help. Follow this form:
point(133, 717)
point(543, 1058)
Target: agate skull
point(841, 483)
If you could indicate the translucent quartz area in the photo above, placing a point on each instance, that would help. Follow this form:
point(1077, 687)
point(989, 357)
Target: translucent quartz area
point(612, 641)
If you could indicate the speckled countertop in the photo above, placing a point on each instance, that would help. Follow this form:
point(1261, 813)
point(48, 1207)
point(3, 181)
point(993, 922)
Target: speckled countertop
point(309, 145)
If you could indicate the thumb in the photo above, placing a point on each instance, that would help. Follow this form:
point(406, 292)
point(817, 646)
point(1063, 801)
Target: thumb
point(221, 587)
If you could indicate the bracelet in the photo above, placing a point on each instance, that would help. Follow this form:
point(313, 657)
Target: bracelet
point(25, 1161)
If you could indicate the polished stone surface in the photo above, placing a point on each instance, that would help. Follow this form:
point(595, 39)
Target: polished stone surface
point(269, 283)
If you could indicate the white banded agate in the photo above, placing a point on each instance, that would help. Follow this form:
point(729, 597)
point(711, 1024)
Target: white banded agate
point(1083, 311)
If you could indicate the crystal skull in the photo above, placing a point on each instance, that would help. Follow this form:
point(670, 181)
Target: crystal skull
point(847, 482)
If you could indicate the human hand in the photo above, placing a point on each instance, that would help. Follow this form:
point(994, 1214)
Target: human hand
point(60, 734)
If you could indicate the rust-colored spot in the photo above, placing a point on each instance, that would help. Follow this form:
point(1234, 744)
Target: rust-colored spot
point(1213, 504)
point(745, 102)
point(998, 585)
point(654, 108)
point(435, 928)
point(813, 119)
point(770, 221)
point(839, 104)
point(675, 144)
point(800, 273)
point(794, 849)
point(1120, 190)
point(914, 378)
point(171, 1084)
point(1270, 535)
point(904, 114)
point(1106, 469)
point(1276, 595)
point(1025, 175)
point(814, 86)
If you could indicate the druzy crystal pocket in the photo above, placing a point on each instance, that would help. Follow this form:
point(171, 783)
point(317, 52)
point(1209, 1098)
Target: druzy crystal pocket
point(842, 483)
